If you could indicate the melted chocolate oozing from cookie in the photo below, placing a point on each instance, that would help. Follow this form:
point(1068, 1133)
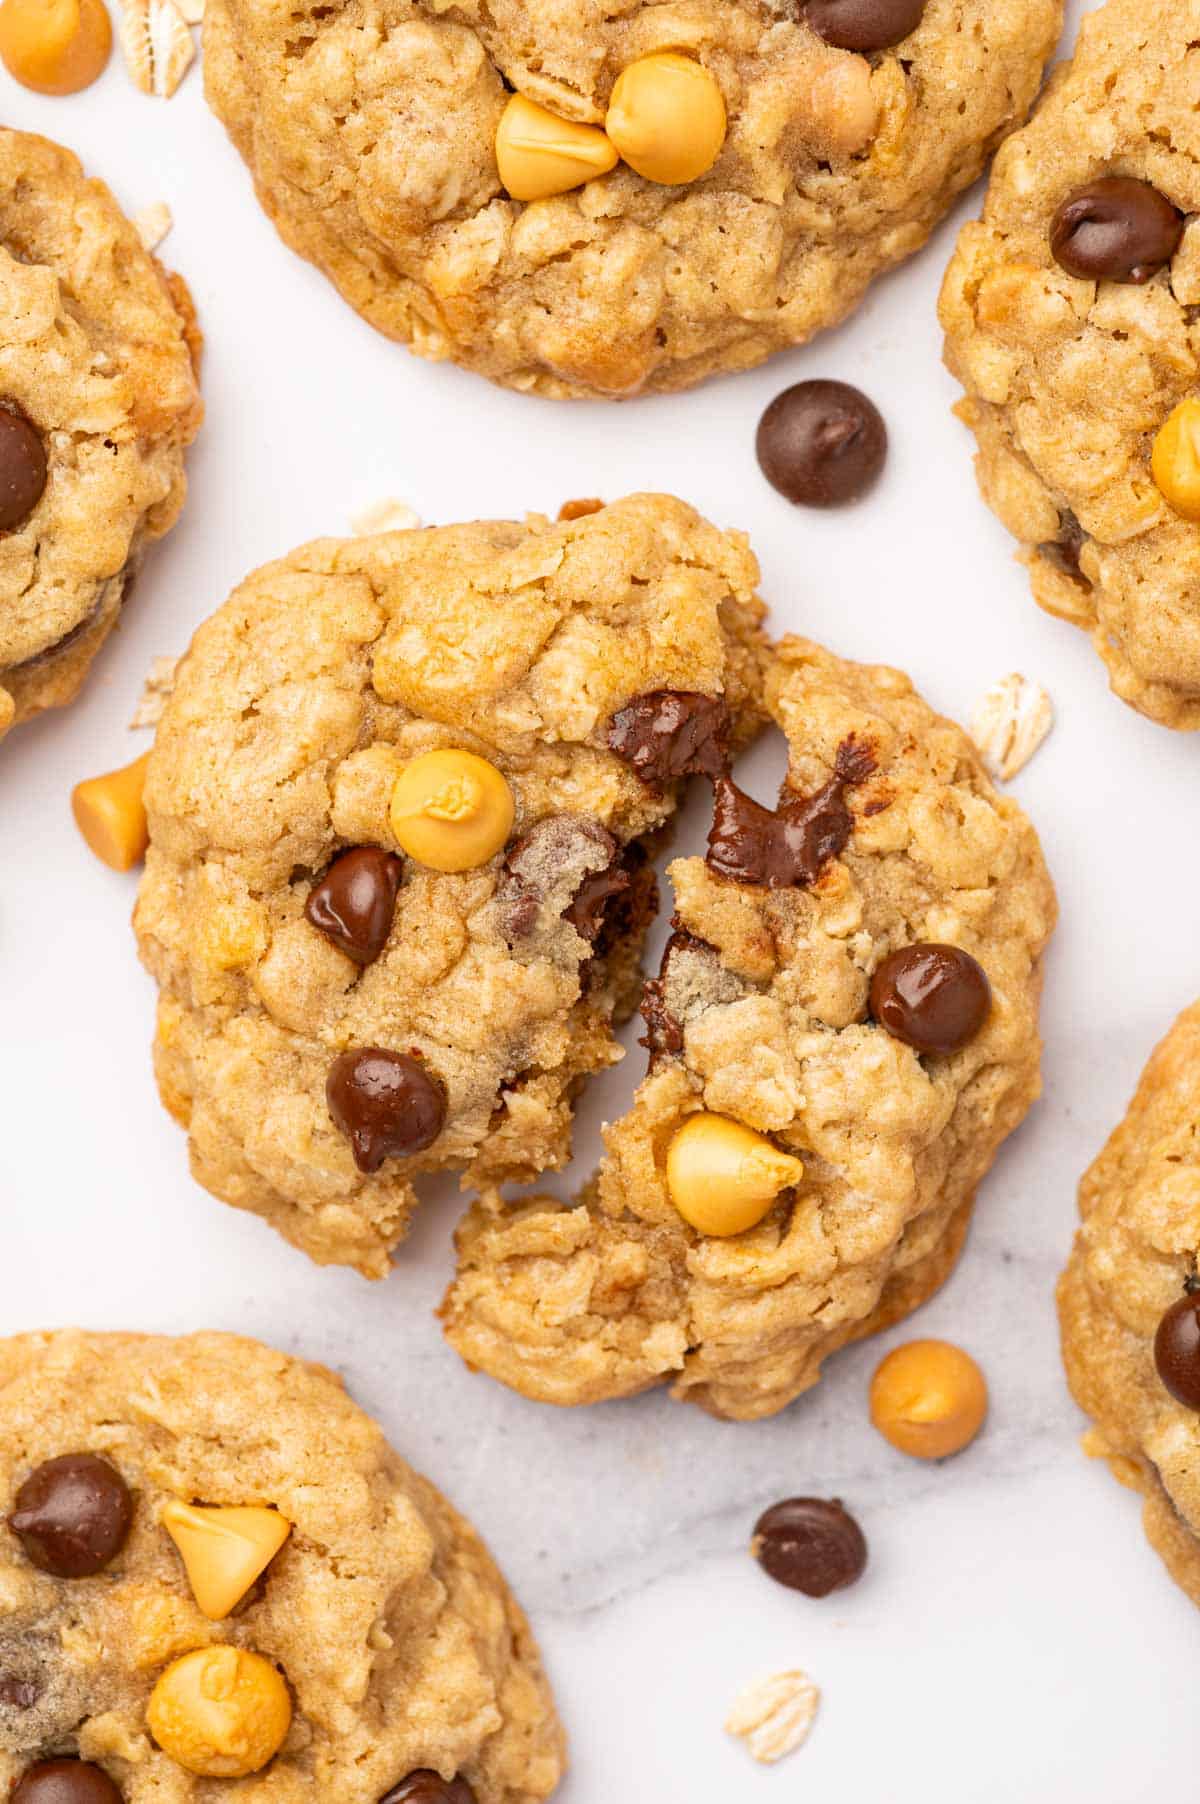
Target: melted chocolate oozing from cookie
point(425, 1787)
point(355, 901)
point(1115, 229)
point(386, 1104)
point(22, 467)
point(810, 1545)
point(1177, 1351)
point(862, 24)
point(671, 733)
point(821, 443)
point(935, 998)
point(789, 846)
point(65, 1782)
point(72, 1515)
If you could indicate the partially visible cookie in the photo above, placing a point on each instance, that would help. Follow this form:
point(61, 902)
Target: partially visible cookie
point(1128, 1303)
point(1070, 312)
point(843, 1032)
point(398, 882)
point(220, 1581)
point(98, 401)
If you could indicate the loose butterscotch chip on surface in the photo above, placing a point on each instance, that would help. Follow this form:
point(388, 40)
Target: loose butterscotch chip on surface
point(929, 1399)
point(55, 46)
point(111, 815)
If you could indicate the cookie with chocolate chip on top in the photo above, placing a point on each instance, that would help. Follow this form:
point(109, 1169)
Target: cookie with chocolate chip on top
point(400, 808)
point(98, 402)
point(578, 199)
point(219, 1579)
point(843, 1032)
point(1070, 317)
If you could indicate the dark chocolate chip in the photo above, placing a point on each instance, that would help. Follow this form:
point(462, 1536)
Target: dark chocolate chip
point(862, 24)
point(22, 468)
point(17, 1693)
point(1115, 229)
point(608, 900)
point(663, 1037)
point(72, 1515)
point(671, 733)
point(934, 998)
point(1064, 550)
point(355, 901)
point(1177, 1351)
point(587, 910)
point(810, 1545)
point(822, 444)
point(386, 1103)
point(425, 1787)
point(791, 845)
point(65, 1782)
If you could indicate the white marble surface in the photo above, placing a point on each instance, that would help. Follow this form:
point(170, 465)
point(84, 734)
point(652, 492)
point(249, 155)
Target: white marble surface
point(1014, 1636)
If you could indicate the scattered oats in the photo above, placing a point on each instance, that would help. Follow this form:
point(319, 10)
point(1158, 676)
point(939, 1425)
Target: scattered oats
point(389, 515)
point(156, 692)
point(1009, 723)
point(773, 1716)
point(157, 44)
point(153, 223)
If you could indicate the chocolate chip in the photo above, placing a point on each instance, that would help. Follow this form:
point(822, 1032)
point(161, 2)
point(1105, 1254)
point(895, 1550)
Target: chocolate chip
point(1064, 550)
point(821, 444)
point(663, 1037)
point(791, 845)
point(425, 1787)
point(1177, 1351)
point(65, 1782)
point(862, 24)
point(386, 1103)
point(934, 998)
point(354, 903)
point(810, 1545)
point(72, 1515)
point(586, 912)
point(22, 468)
point(1115, 229)
point(671, 733)
point(17, 1693)
point(577, 865)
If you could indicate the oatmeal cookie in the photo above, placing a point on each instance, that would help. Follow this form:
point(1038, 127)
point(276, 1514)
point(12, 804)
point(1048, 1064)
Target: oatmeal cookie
point(844, 1031)
point(1127, 1302)
point(841, 131)
point(207, 1506)
point(397, 881)
point(98, 400)
point(1070, 312)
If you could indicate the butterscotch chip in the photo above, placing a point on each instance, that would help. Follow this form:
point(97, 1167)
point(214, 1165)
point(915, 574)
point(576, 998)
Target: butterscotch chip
point(929, 1399)
point(55, 46)
point(110, 812)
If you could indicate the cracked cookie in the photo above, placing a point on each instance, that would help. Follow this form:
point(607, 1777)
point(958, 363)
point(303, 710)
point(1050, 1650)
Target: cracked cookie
point(98, 400)
point(397, 880)
point(215, 1569)
point(580, 198)
point(1070, 312)
point(1128, 1304)
point(843, 1032)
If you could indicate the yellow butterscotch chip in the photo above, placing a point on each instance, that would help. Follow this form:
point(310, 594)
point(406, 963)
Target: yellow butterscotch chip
point(54, 46)
point(220, 1712)
point(928, 1398)
point(224, 1549)
point(1175, 459)
point(723, 1177)
point(667, 118)
point(539, 154)
point(111, 815)
point(451, 810)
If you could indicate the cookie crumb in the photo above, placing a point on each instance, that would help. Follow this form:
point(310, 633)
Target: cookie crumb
point(158, 45)
point(388, 515)
point(153, 223)
point(156, 692)
point(1009, 723)
point(774, 1716)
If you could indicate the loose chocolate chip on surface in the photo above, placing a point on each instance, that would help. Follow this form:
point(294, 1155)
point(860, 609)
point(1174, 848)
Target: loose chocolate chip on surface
point(821, 444)
point(1177, 1351)
point(72, 1515)
point(1115, 229)
point(810, 1545)
point(862, 24)
point(65, 1782)
point(671, 733)
point(934, 998)
point(386, 1103)
point(22, 469)
point(425, 1787)
point(792, 844)
point(355, 901)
